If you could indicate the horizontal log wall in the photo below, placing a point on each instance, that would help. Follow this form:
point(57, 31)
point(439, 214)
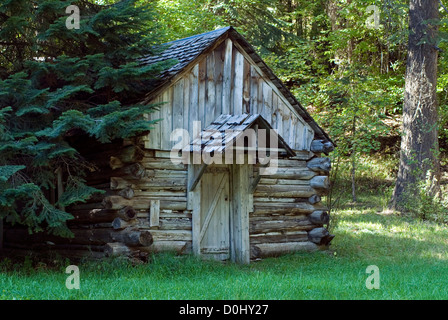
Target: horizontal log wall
point(144, 208)
point(160, 202)
point(288, 214)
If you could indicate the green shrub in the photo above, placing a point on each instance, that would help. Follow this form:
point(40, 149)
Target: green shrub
point(423, 204)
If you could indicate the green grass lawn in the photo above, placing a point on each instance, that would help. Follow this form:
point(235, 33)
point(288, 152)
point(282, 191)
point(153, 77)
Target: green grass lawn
point(411, 257)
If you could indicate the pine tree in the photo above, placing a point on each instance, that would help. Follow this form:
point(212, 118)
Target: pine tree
point(55, 81)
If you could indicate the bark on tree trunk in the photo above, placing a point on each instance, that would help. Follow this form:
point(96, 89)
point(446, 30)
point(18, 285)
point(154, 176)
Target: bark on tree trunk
point(419, 144)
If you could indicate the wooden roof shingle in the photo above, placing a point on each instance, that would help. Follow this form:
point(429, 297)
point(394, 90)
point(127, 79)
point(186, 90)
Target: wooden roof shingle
point(227, 129)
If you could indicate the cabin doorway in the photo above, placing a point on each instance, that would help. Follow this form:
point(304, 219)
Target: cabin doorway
point(214, 235)
point(220, 205)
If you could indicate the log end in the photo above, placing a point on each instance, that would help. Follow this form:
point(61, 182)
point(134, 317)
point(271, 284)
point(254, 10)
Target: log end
point(319, 217)
point(320, 236)
point(321, 183)
point(314, 199)
point(146, 238)
point(127, 213)
point(115, 163)
point(116, 249)
point(319, 164)
point(127, 193)
point(319, 146)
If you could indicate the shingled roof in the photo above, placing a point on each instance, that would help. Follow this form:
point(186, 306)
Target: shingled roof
point(184, 51)
point(227, 129)
point(188, 50)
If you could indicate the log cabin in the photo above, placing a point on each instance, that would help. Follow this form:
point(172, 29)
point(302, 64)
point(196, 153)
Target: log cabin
point(234, 170)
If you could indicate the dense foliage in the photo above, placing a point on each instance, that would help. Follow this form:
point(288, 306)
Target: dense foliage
point(57, 81)
point(330, 53)
point(344, 60)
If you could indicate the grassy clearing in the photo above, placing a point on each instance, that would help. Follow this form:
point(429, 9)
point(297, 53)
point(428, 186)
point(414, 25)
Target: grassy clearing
point(412, 257)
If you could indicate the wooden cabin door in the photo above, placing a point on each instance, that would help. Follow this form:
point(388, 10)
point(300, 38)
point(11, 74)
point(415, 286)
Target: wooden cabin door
point(214, 234)
point(220, 202)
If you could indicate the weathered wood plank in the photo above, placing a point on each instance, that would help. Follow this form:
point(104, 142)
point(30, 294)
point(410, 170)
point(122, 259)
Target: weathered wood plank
point(240, 246)
point(195, 172)
point(179, 247)
point(260, 104)
point(186, 104)
point(285, 191)
point(284, 182)
point(152, 163)
point(194, 98)
point(310, 138)
point(167, 200)
point(211, 209)
point(170, 235)
point(266, 112)
point(154, 213)
point(153, 141)
point(175, 224)
point(263, 250)
point(218, 78)
point(291, 163)
point(227, 78)
point(166, 112)
point(282, 208)
point(299, 132)
point(210, 103)
point(276, 237)
point(286, 121)
point(170, 183)
point(270, 82)
point(253, 103)
point(238, 83)
point(289, 173)
point(178, 106)
point(202, 92)
point(303, 155)
point(246, 86)
point(259, 224)
point(194, 204)
point(293, 133)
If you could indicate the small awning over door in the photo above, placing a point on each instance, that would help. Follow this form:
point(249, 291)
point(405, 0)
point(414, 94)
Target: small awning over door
point(249, 132)
point(220, 194)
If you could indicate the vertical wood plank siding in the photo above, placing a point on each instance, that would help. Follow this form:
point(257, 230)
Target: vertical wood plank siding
point(225, 82)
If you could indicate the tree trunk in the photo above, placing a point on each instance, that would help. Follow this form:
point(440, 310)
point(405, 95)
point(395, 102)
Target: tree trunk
point(419, 144)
